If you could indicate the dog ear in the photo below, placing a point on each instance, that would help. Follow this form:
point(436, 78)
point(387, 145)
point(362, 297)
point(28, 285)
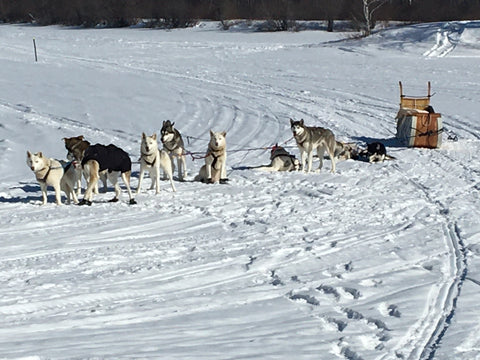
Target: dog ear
point(154, 136)
point(301, 122)
point(80, 137)
point(29, 154)
point(224, 133)
point(40, 154)
point(211, 132)
point(143, 135)
point(173, 123)
point(291, 121)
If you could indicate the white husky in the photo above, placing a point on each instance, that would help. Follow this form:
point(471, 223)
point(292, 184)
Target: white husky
point(215, 168)
point(72, 174)
point(151, 160)
point(48, 172)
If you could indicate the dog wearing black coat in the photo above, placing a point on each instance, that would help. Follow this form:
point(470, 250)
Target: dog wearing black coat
point(97, 158)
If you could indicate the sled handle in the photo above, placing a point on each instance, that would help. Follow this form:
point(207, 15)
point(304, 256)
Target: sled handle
point(429, 89)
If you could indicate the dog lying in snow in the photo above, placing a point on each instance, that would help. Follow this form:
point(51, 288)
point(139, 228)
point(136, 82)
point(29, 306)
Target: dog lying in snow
point(376, 152)
point(281, 160)
point(345, 151)
point(215, 168)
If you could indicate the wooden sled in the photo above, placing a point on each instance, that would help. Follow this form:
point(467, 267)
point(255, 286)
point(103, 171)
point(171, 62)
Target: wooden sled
point(418, 125)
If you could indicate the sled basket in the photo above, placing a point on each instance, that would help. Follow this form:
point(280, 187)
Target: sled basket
point(417, 124)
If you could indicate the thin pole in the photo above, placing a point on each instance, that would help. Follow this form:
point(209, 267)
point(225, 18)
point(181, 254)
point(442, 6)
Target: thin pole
point(35, 50)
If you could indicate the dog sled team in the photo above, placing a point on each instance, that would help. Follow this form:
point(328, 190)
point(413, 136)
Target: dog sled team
point(109, 162)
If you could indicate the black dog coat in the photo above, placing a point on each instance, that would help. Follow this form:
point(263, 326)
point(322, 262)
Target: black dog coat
point(109, 157)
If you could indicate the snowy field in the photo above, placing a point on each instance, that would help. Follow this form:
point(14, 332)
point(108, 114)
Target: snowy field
point(376, 261)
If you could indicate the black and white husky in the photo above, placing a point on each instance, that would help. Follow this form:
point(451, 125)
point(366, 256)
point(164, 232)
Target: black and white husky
point(376, 152)
point(313, 138)
point(173, 144)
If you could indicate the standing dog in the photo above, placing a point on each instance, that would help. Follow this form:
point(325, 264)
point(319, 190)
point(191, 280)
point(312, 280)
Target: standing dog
point(72, 173)
point(281, 160)
point(173, 144)
point(48, 172)
point(79, 143)
point(215, 168)
point(310, 138)
point(151, 160)
point(97, 158)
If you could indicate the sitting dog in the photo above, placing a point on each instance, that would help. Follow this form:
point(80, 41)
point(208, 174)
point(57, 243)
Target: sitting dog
point(376, 152)
point(48, 172)
point(215, 168)
point(97, 158)
point(151, 160)
point(173, 144)
point(80, 142)
point(281, 160)
point(313, 138)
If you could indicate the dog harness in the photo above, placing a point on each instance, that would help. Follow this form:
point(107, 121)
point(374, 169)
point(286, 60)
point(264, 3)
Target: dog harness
point(44, 179)
point(215, 155)
point(149, 163)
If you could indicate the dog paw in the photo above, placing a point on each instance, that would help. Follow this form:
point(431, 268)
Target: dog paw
point(133, 202)
point(113, 200)
point(224, 181)
point(85, 202)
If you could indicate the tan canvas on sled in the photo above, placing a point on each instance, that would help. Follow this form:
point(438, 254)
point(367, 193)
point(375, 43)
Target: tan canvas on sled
point(417, 127)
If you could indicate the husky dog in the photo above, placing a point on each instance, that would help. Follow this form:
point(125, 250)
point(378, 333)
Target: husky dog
point(345, 151)
point(97, 158)
point(215, 168)
point(151, 160)
point(173, 144)
point(72, 174)
point(281, 160)
point(376, 152)
point(310, 138)
point(48, 172)
point(80, 143)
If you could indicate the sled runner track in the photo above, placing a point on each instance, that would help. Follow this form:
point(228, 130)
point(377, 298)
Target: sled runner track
point(71, 124)
point(427, 340)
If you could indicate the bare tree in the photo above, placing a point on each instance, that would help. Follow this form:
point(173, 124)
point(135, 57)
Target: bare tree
point(369, 8)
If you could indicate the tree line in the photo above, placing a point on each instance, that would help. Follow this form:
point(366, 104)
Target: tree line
point(182, 13)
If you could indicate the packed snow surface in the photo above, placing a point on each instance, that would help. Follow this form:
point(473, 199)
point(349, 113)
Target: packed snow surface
point(376, 261)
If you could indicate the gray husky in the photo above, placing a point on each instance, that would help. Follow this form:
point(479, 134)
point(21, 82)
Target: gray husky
point(173, 144)
point(310, 138)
